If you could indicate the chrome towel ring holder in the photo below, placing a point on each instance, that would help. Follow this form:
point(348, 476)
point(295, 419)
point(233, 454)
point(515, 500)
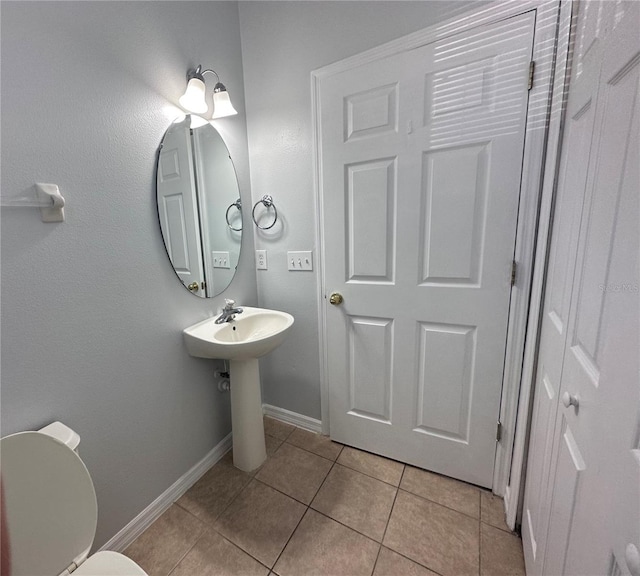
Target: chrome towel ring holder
point(268, 202)
point(237, 204)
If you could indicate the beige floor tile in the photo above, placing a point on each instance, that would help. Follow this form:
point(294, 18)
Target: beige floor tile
point(210, 495)
point(272, 443)
point(443, 490)
point(277, 429)
point(159, 548)
point(295, 472)
point(492, 510)
point(388, 471)
point(260, 521)
point(439, 538)
point(321, 546)
point(316, 443)
point(214, 555)
point(358, 501)
point(501, 553)
point(392, 564)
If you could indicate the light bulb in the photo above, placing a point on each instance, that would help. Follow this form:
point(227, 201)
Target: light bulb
point(193, 97)
point(222, 103)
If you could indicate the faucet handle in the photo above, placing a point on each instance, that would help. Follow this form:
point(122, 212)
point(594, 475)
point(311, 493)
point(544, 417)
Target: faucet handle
point(229, 303)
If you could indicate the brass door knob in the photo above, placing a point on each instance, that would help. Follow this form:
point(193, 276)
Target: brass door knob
point(193, 286)
point(336, 298)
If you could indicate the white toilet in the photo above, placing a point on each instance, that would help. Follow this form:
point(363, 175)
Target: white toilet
point(51, 508)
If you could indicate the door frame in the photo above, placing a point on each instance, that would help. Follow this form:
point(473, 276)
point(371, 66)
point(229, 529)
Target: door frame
point(516, 386)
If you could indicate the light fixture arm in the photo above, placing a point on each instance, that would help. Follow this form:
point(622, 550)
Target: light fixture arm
point(199, 73)
point(211, 72)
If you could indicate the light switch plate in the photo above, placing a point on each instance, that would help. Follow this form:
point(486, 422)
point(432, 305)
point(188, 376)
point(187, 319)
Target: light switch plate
point(300, 260)
point(220, 259)
point(261, 260)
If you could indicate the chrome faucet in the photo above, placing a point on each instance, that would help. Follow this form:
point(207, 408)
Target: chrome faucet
point(228, 312)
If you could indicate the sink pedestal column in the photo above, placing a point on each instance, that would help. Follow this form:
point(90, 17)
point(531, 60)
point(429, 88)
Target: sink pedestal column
point(249, 449)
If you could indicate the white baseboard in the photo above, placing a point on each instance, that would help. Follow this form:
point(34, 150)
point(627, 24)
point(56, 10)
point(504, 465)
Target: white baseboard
point(151, 513)
point(510, 508)
point(294, 418)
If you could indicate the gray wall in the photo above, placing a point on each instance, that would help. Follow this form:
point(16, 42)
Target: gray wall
point(92, 311)
point(282, 42)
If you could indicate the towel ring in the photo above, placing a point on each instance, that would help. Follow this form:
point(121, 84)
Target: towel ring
point(268, 202)
point(237, 204)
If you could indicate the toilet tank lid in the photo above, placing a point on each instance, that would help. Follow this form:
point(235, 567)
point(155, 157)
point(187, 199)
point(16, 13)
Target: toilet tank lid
point(63, 433)
point(50, 504)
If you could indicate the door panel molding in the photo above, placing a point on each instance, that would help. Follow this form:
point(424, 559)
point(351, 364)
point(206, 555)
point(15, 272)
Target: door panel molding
point(371, 187)
point(371, 112)
point(467, 209)
point(446, 348)
point(370, 342)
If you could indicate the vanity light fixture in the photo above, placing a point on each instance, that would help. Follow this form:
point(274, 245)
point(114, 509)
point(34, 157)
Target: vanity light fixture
point(193, 98)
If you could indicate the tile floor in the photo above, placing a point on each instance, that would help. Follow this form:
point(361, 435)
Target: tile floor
point(318, 508)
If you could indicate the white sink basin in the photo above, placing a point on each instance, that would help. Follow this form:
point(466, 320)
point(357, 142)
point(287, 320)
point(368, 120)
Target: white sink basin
point(252, 334)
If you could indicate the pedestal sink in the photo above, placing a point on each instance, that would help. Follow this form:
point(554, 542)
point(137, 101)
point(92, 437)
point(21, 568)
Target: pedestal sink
point(254, 333)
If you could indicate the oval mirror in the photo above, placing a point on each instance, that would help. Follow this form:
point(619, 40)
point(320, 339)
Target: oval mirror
point(199, 207)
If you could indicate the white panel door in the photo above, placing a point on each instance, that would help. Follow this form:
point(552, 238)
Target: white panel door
point(578, 133)
point(421, 164)
point(581, 518)
point(177, 206)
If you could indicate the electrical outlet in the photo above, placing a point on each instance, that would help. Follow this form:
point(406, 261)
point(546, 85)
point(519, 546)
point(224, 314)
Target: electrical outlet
point(261, 259)
point(220, 259)
point(301, 260)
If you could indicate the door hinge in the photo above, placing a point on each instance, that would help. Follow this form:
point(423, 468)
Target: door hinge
point(532, 67)
point(499, 431)
point(514, 268)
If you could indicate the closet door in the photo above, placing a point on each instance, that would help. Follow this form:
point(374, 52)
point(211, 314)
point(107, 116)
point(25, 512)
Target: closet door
point(598, 433)
point(582, 499)
point(578, 131)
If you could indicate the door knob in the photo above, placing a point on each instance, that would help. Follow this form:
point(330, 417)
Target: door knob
point(193, 286)
point(336, 298)
point(632, 556)
point(570, 400)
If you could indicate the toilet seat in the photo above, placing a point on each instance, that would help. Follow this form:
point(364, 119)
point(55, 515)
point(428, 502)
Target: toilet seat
point(109, 564)
point(51, 510)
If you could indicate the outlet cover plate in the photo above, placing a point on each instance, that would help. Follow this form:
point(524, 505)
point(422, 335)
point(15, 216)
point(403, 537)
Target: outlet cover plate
point(261, 260)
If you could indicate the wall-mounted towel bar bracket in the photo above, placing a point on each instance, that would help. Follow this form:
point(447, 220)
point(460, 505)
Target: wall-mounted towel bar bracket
point(47, 198)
